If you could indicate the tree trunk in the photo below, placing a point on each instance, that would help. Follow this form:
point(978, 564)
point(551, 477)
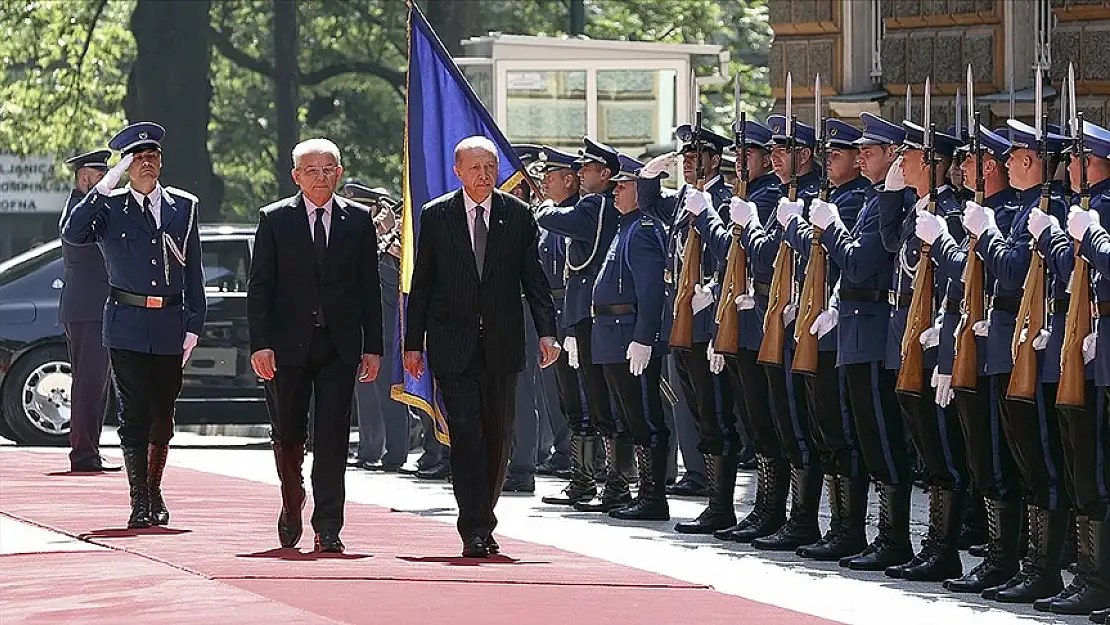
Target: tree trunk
point(169, 84)
point(454, 20)
point(286, 97)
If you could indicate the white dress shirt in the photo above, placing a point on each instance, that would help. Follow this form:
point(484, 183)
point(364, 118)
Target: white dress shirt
point(471, 213)
point(311, 208)
point(155, 201)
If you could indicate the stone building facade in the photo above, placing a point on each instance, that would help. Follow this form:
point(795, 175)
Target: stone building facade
point(869, 51)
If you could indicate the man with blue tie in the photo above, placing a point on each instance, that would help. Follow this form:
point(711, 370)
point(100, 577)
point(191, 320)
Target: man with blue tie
point(81, 311)
point(156, 306)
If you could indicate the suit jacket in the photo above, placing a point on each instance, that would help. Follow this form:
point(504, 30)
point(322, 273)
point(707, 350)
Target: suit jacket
point(286, 288)
point(86, 280)
point(449, 302)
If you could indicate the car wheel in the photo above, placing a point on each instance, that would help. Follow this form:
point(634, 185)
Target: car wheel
point(37, 397)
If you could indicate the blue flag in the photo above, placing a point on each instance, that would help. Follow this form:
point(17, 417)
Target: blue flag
point(441, 110)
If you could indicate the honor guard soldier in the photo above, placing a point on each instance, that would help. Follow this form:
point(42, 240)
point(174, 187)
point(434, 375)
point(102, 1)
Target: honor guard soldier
point(589, 225)
point(708, 393)
point(81, 312)
point(156, 307)
point(728, 169)
point(834, 431)
point(630, 339)
point(1087, 431)
point(1031, 428)
point(745, 374)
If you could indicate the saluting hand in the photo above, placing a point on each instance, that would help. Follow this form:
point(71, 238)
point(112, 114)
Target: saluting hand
point(369, 367)
point(111, 178)
point(264, 363)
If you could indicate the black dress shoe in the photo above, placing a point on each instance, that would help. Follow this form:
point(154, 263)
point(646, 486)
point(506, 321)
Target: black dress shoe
point(687, 488)
point(409, 468)
point(475, 547)
point(96, 465)
point(518, 486)
point(441, 471)
point(369, 465)
point(557, 470)
point(492, 546)
point(328, 542)
point(391, 467)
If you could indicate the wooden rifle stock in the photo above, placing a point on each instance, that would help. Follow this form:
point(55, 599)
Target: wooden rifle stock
point(682, 331)
point(735, 284)
point(911, 375)
point(812, 304)
point(965, 370)
point(1030, 322)
point(1072, 390)
point(774, 330)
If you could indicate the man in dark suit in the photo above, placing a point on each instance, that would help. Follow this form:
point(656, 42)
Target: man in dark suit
point(476, 253)
point(81, 312)
point(315, 316)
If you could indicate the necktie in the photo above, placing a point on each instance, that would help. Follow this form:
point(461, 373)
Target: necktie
point(480, 232)
point(149, 214)
point(319, 238)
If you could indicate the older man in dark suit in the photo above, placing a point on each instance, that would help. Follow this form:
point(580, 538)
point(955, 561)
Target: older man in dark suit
point(476, 253)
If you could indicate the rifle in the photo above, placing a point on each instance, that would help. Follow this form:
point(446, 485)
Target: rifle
point(735, 281)
point(911, 375)
point(965, 370)
point(682, 330)
point(814, 296)
point(1032, 314)
point(782, 281)
point(1071, 392)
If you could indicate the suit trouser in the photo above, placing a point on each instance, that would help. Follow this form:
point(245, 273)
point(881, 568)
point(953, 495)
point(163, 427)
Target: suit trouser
point(327, 382)
point(684, 437)
point(554, 424)
point(831, 422)
point(526, 424)
point(938, 436)
point(1085, 435)
point(788, 406)
point(641, 402)
point(603, 419)
point(89, 362)
point(480, 405)
point(1032, 431)
point(572, 396)
point(383, 423)
point(712, 403)
point(750, 378)
point(990, 464)
point(147, 386)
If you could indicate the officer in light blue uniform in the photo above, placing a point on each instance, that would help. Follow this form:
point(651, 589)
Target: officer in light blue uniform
point(1032, 430)
point(1086, 432)
point(589, 226)
point(745, 374)
point(156, 307)
point(630, 340)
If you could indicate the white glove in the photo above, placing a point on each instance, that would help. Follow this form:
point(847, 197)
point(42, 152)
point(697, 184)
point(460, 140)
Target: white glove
point(789, 312)
point(658, 165)
point(1080, 221)
point(638, 357)
point(1041, 341)
point(977, 218)
point(571, 345)
point(703, 297)
point(943, 384)
point(111, 179)
point(742, 212)
point(930, 226)
point(931, 338)
point(1038, 222)
point(895, 179)
point(716, 361)
point(788, 210)
point(824, 214)
point(696, 201)
point(1089, 343)
point(745, 301)
point(187, 347)
point(983, 326)
point(824, 323)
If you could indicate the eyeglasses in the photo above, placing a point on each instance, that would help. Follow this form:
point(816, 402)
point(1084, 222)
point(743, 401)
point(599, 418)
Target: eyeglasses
point(318, 172)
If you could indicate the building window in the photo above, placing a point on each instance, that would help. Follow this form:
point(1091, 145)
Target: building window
point(546, 107)
point(636, 108)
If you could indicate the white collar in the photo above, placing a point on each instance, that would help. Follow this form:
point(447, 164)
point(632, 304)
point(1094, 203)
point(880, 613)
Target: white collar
point(924, 200)
point(470, 204)
point(155, 195)
point(312, 207)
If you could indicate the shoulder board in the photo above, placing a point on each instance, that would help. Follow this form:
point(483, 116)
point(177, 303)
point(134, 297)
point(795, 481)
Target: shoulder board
point(647, 221)
point(117, 192)
point(185, 194)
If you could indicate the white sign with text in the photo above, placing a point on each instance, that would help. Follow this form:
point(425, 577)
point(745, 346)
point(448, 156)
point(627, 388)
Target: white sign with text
point(28, 185)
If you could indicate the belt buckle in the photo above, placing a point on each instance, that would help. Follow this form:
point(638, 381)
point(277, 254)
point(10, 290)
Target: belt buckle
point(153, 301)
point(593, 311)
point(892, 298)
point(667, 276)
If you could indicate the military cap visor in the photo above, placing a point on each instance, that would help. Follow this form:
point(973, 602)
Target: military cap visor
point(549, 159)
point(358, 191)
point(1024, 137)
point(97, 159)
point(710, 140)
point(595, 152)
point(138, 137)
point(841, 135)
point(1096, 140)
point(878, 131)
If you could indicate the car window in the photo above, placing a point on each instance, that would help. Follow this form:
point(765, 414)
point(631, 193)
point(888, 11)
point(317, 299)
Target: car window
point(226, 262)
point(29, 261)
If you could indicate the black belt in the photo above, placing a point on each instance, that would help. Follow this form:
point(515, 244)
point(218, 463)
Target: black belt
point(612, 310)
point(145, 301)
point(762, 289)
point(952, 307)
point(861, 295)
point(558, 293)
point(1104, 309)
point(1006, 304)
point(901, 301)
point(1059, 305)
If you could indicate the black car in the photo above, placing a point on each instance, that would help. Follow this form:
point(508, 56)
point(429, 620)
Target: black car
point(219, 386)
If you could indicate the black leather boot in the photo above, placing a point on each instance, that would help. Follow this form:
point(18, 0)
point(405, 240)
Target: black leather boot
point(769, 515)
point(290, 460)
point(156, 466)
point(1100, 616)
point(135, 461)
point(836, 510)
point(941, 559)
point(801, 528)
point(1083, 567)
point(619, 469)
point(720, 472)
point(851, 535)
point(892, 545)
point(1094, 561)
point(651, 500)
point(583, 479)
point(974, 530)
point(1001, 561)
point(1040, 575)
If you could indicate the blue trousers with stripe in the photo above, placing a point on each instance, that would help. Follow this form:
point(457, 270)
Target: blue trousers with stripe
point(640, 402)
point(1033, 434)
point(938, 436)
point(788, 406)
point(711, 401)
point(834, 432)
point(994, 474)
point(879, 423)
point(1085, 438)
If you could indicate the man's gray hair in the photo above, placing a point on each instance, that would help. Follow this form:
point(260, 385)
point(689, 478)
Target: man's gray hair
point(477, 142)
point(315, 146)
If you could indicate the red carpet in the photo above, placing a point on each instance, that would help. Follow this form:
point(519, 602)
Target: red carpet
point(218, 556)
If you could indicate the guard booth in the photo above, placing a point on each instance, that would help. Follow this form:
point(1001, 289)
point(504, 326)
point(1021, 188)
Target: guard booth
point(552, 91)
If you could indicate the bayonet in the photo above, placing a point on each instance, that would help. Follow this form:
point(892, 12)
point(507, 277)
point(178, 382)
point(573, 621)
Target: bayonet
point(909, 103)
point(959, 114)
point(817, 102)
point(971, 124)
point(789, 104)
